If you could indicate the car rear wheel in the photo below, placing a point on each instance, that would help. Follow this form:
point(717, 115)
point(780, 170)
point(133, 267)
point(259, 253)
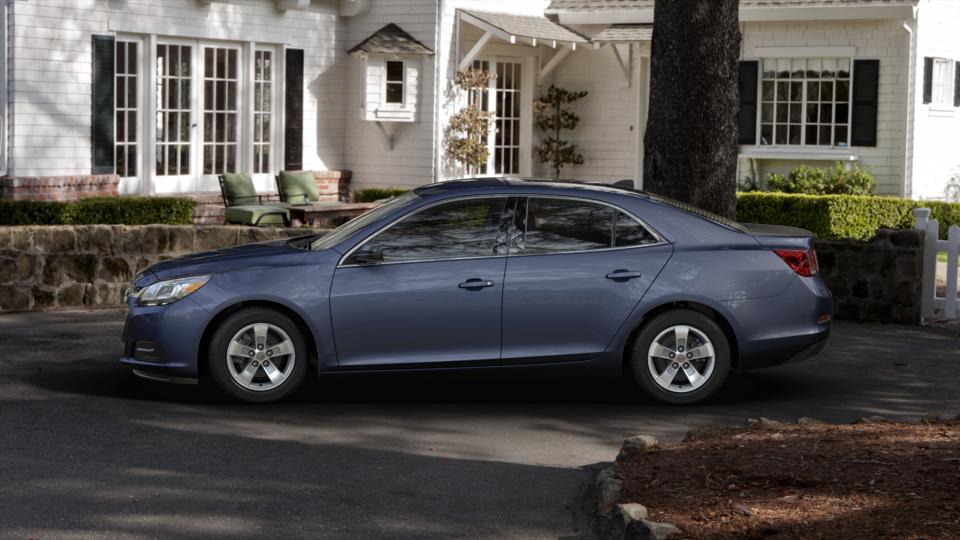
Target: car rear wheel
point(681, 357)
point(258, 355)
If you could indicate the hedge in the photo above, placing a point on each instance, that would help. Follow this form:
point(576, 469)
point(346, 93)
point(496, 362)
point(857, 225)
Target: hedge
point(100, 210)
point(840, 216)
point(373, 194)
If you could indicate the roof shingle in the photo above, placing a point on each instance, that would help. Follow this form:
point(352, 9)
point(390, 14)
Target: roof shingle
point(528, 26)
point(557, 6)
point(391, 39)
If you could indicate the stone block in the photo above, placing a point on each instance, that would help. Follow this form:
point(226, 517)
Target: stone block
point(17, 266)
point(6, 237)
point(215, 237)
point(110, 294)
point(96, 239)
point(44, 296)
point(71, 295)
point(180, 239)
point(55, 239)
point(15, 297)
point(115, 269)
point(80, 267)
point(861, 289)
point(22, 238)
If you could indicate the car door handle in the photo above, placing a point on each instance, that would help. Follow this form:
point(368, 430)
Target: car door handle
point(623, 275)
point(476, 283)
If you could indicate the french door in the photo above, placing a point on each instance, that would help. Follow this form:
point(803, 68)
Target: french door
point(214, 110)
point(507, 97)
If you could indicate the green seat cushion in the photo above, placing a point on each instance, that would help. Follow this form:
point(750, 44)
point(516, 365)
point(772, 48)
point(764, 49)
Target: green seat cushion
point(238, 189)
point(248, 214)
point(298, 187)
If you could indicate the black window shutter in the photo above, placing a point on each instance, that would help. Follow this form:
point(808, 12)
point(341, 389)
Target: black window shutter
point(749, 71)
point(102, 134)
point(956, 84)
point(293, 116)
point(927, 79)
point(866, 80)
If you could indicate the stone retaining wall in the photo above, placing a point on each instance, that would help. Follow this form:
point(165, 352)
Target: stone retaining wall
point(876, 280)
point(68, 266)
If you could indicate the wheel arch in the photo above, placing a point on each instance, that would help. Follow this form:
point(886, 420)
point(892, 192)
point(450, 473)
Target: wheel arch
point(215, 321)
point(709, 311)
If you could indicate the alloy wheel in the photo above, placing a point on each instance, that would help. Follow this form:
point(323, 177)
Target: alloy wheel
point(260, 357)
point(681, 359)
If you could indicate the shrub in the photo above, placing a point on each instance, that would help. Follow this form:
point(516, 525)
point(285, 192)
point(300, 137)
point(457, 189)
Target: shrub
point(840, 216)
point(100, 210)
point(376, 194)
point(836, 180)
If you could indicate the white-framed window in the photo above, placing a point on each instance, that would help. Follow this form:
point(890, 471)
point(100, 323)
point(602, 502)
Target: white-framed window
point(805, 102)
point(393, 82)
point(943, 80)
point(503, 100)
point(263, 85)
point(127, 108)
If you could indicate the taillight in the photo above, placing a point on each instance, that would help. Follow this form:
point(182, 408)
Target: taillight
point(803, 262)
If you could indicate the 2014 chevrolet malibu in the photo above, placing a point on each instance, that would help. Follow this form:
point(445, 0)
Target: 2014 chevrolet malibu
point(511, 275)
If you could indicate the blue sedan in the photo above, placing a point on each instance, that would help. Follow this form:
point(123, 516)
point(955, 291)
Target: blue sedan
point(520, 276)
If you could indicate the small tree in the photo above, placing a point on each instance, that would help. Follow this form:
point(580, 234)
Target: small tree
point(466, 134)
point(551, 118)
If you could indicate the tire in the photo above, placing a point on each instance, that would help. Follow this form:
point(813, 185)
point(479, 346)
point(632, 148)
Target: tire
point(703, 334)
point(246, 367)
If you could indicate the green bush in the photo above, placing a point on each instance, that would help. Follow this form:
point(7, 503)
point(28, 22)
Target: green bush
point(836, 180)
point(100, 210)
point(375, 194)
point(841, 216)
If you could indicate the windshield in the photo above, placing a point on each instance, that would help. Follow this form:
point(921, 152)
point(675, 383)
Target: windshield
point(697, 211)
point(346, 230)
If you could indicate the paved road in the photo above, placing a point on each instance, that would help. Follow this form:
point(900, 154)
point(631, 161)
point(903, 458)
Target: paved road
point(87, 450)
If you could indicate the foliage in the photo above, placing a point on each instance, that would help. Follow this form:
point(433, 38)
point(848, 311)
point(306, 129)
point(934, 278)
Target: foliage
point(836, 180)
point(373, 194)
point(466, 134)
point(841, 216)
point(100, 210)
point(552, 118)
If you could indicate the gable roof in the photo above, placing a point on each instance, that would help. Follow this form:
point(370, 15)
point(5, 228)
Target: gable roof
point(391, 39)
point(557, 6)
point(624, 33)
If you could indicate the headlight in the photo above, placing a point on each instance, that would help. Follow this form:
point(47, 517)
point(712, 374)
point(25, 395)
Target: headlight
point(162, 293)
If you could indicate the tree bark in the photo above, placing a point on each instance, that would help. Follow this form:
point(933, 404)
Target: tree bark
point(690, 145)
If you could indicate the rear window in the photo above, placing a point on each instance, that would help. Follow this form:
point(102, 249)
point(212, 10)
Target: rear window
point(700, 212)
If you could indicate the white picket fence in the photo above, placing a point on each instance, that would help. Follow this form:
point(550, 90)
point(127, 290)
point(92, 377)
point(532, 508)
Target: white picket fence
point(931, 304)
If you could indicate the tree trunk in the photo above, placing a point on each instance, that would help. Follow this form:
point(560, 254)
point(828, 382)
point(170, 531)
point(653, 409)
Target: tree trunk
point(690, 146)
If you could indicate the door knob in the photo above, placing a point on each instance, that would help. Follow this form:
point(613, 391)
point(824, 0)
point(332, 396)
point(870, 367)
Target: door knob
point(476, 283)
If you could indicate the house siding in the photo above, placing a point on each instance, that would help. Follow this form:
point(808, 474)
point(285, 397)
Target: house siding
point(883, 40)
point(936, 130)
point(50, 71)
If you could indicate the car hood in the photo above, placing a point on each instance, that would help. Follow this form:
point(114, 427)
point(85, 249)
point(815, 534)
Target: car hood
point(273, 253)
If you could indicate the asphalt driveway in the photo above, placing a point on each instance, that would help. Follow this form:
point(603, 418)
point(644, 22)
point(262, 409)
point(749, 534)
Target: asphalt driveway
point(87, 450)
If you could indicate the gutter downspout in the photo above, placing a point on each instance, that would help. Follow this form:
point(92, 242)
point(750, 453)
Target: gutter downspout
point(437, 105)
point(910, 128)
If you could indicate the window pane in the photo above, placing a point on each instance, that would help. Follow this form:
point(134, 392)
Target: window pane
point(766, 134)
point(452, 230)
point(768, 91)
point(811, 135)
point(825, 136)
point(812, 114)
point(794, 134)
point(394, 71)
point(841, 136)
point(629, 232)
point(394, 92)
point(826, 112)
point(767, 113)
point(843, 90)
point(555, 225)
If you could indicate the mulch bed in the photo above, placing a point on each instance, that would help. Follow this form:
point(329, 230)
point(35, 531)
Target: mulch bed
point(859, 481)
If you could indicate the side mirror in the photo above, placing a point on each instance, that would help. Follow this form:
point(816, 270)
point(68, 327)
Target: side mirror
point(374, 256)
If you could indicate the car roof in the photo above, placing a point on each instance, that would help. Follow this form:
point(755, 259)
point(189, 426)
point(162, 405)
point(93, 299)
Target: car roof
point(453, 186)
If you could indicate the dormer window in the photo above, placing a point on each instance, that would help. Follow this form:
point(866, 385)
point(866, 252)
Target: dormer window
point(394, 91)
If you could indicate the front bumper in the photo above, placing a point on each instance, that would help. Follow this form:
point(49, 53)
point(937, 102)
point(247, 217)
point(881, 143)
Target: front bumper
point(162, 342)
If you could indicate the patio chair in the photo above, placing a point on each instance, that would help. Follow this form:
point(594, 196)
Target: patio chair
point(297, 187)
point(245, 207)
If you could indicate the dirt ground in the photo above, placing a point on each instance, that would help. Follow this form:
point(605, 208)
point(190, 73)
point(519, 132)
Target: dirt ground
point(865, 480)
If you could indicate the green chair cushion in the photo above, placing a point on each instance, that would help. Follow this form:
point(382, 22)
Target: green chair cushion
point(238, 189)
point(298, 187)
point(257, 214)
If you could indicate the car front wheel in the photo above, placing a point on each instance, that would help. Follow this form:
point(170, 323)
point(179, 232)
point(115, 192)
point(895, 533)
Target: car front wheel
point(681, 357)
point(258, 355)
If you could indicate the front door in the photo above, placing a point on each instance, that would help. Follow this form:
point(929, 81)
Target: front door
point(510, 133)
point(578, 271)
point(426, 291)
point(175, 167)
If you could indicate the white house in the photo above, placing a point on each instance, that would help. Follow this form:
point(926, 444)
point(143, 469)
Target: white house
point(166, 94)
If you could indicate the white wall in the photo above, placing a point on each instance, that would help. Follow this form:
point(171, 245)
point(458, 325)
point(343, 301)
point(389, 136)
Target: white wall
point(50, 70)
point(936, 136)
point(883, 40)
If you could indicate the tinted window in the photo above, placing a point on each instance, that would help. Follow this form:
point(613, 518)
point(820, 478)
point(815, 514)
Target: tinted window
point(558, 225)
point(347, 230)
point(469, 228)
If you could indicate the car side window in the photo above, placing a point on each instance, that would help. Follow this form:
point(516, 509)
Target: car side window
point(463, 228)
point(565, 225)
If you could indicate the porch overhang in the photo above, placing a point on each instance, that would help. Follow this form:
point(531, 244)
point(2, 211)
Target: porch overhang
point(641, 12)
point(532, 30)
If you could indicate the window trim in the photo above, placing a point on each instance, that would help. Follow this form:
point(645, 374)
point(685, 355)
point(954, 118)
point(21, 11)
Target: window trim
point(803, 114)
point(947, 90)
point(402, 82)
point(653, 232)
